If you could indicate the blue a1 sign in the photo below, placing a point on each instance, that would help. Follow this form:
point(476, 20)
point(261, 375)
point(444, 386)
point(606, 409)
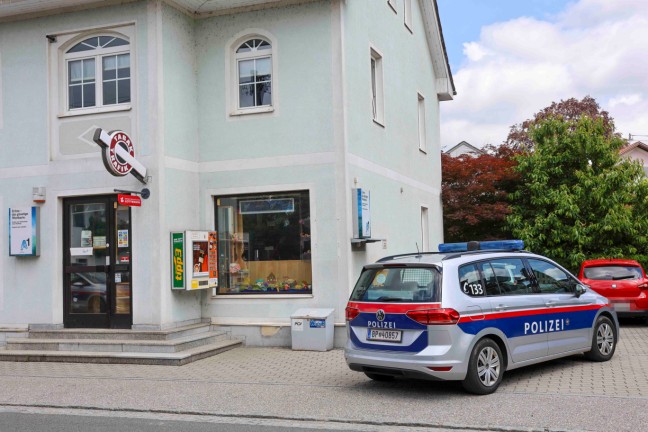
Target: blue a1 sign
point(24, 231)
point(361, 213)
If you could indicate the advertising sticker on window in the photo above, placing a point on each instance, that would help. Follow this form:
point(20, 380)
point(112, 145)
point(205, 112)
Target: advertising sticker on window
point(122, 238)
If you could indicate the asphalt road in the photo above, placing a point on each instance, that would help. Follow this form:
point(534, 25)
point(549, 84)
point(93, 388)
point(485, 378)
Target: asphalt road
point(62, 420)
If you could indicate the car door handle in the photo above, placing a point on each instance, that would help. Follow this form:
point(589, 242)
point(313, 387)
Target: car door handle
point(551, 303)
point(500, 307)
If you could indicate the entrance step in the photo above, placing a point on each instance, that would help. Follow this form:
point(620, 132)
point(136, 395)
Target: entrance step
point(88, 333)
point(173, 347)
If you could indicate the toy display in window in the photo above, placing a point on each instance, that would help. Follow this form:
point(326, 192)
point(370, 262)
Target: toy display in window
point(237, 263)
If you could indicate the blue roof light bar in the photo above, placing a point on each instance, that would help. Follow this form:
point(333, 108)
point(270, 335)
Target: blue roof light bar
point(483, 245)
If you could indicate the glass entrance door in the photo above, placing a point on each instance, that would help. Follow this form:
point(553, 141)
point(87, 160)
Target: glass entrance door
point(97, 263)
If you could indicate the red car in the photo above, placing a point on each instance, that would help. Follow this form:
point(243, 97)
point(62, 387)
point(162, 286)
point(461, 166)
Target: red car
point(622, 281)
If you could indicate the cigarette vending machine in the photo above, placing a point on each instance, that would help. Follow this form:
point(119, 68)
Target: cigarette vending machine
point(194, 256)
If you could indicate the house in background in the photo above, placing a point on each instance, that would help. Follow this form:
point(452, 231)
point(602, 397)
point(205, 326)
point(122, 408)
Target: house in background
point(637, 151)
point(258, 119)
point(463, 148)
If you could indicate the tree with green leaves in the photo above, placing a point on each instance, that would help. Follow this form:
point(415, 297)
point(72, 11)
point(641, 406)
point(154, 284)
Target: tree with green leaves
point(578, 199)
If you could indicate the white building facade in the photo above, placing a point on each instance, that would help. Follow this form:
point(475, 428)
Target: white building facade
point(258, 120)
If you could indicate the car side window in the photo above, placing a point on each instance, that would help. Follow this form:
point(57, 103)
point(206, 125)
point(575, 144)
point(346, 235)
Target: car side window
point(511, 276)
point(490, 279)
point(470, 280)
point(550, 278)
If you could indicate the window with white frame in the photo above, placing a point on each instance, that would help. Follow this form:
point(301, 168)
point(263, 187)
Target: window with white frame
point(392, 4)
point(253, 59)
point(98, 73)
point(425, 230)
point(421, 123)
point(408, 14)
point(377, 96)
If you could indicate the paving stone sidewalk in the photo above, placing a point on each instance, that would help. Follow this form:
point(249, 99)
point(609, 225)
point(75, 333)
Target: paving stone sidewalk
point(281, 383)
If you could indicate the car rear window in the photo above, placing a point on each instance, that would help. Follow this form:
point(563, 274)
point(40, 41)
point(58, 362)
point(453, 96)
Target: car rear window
point(398, 285)
point(612, 272)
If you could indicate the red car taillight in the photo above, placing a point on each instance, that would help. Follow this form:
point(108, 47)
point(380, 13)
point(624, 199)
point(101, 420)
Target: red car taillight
point(434, 316)
point(351, 313)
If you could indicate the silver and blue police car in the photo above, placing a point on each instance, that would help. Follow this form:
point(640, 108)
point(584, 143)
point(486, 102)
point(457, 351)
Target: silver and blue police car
point(471, 312)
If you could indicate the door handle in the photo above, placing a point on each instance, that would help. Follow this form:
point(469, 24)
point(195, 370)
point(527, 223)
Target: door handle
point(551, 303)
point(500, 307)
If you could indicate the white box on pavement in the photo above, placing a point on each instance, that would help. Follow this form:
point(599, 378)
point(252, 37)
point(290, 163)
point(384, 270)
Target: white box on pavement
point(312, 329)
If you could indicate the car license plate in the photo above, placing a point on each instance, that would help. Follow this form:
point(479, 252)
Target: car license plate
point(621, 307)
point(384, 335)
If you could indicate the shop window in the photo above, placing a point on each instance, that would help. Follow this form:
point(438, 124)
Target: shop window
point(264, 243)
point(253, 76)
point(98, 73)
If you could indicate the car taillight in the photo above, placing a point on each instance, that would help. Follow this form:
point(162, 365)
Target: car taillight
point(434, 316)
point(351, 313)
point(643, 286)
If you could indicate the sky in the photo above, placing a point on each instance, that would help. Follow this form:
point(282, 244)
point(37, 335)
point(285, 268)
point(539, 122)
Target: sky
point(512, 58)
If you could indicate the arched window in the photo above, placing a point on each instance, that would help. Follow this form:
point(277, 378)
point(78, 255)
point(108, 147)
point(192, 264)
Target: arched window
point(98, 72)
point(254, 74)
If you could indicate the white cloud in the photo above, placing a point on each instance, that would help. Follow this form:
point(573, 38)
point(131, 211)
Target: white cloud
point(629, 100)
point(518, 67)
point(474, 51)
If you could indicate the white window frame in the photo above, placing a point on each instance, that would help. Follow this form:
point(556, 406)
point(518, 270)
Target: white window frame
point(232, 73)
point(97, 55)
point(407, 13)
point(425, 229)
point(392, 4)
point(377, 87)
point(422, 135)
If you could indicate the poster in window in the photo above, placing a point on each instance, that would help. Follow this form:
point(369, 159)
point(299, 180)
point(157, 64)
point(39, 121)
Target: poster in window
point(122, 238)
point(86, 238)
point(200, 250)
point(213, 258)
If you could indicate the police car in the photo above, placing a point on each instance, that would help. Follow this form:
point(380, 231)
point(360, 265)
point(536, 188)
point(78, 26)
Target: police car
point(471, 312)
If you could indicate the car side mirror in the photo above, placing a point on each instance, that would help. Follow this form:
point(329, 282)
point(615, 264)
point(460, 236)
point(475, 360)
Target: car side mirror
point(580, 290)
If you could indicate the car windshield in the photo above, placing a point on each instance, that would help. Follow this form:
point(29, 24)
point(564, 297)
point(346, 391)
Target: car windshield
point(612, 272)
point(398, 285)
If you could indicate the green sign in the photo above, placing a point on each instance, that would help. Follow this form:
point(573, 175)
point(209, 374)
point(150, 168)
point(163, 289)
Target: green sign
point(178, 260)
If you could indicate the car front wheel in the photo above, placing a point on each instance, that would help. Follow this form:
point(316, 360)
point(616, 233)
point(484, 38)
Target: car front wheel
point(603, 341)
point(485, 368)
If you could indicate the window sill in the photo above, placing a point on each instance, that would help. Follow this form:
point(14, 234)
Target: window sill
point(252, 111)
point(260, 296)
point(102, 110)
point(379, 123)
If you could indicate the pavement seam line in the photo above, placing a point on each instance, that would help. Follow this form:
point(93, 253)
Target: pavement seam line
point(284, 418)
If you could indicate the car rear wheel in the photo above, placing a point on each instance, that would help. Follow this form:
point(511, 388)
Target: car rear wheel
point(603, 341)
point(485, 368)
point(379, 377)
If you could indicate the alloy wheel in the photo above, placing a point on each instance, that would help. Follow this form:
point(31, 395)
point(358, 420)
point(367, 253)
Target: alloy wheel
point(605, 339)
point(488, 366)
